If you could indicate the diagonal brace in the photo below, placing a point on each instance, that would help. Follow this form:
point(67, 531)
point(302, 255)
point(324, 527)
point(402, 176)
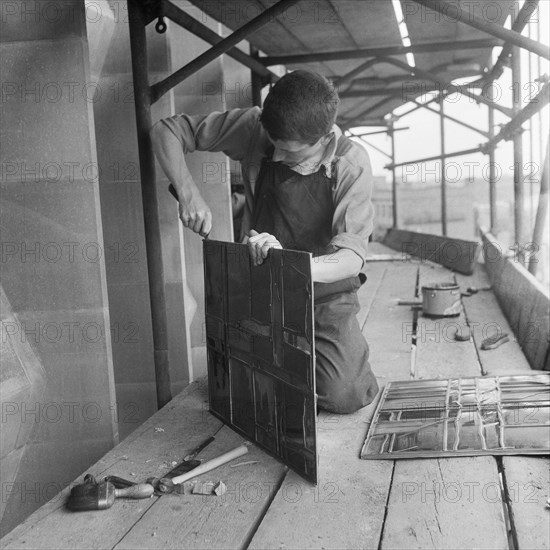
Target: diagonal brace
point(162, 87)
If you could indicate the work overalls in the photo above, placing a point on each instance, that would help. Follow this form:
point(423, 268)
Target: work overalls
point(298, 210)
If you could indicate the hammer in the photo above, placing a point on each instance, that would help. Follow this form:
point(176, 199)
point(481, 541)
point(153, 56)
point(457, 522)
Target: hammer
point(187, 465)
point(167, 485)
point(100, 496)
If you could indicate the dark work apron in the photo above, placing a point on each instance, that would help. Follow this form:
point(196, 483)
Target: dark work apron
point(298, 210)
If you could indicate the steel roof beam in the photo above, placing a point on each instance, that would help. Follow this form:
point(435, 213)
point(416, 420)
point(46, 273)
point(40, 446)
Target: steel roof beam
point(354, 72)
point(418, 89)
point(448, 88)
point(456, 13)
point(347, 123)
point(380, 52)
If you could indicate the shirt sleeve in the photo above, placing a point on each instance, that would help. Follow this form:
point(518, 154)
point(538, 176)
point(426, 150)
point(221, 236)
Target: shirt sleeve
point(353, 219)
point(229, 132)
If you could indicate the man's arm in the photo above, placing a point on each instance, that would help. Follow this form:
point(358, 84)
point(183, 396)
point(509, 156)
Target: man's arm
point(194, 212)
point(352, 222)
point(342, 264)
point(177, 136)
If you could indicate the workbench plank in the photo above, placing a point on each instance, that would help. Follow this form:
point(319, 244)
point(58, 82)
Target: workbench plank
point(375, 272)
point(389, 326)
point(207, 521)
point(421, 511)
point(438, 354)
point(527, 482)
point(447, 503)
point(346, 509)
point(146, 452)
point(485, 318)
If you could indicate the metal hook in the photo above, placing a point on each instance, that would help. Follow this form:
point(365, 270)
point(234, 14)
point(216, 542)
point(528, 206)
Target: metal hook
point(160, 27)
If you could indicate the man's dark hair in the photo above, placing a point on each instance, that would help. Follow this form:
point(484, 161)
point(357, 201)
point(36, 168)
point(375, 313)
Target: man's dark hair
point(301, 107)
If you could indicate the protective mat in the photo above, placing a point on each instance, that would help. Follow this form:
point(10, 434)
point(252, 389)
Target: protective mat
point(261, 355)
point(498, 415)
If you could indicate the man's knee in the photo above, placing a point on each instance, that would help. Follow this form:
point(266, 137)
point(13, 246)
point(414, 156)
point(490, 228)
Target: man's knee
point(346, 398)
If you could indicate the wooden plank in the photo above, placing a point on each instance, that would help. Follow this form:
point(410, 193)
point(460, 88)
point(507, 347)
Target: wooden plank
point(447, 503)
point(430, 505)
point(485, 318)
point(146, 452)
point(525, 302)
point(365, 295)
point(195, 521)
point(456, 254)
point(438, 354)
point(527, 482)
point(346, 508)
point(389, 327)
point(375, 272)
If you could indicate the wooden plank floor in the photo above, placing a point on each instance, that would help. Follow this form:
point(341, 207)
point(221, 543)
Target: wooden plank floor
point(477, 502)
point(430, 505)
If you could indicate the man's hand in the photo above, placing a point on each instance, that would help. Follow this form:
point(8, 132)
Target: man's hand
point(259, 245)
point(195, 214)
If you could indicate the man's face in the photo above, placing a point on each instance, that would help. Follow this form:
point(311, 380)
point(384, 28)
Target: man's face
point(292, 153)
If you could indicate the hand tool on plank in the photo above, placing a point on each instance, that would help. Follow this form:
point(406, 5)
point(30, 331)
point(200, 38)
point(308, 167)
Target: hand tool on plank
point(495, 341)
point(462, 334)
point(471, 290)
point(187, 464)
point(119, 482)
point(91, 495)
point(166, 485)
point(413, 303)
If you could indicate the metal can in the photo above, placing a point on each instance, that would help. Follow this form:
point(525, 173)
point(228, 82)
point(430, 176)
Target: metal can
point(441, 300)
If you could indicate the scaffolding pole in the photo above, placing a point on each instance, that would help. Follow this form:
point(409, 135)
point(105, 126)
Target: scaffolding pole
point(453, 119)
point(517, 139)
point(391, 132)
point(542, 211)
point(492, 175)
point(532, 108)
point(528, 8)
point(478, 149)
point(443, 182)
point(155, 268)
point(380, 132)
